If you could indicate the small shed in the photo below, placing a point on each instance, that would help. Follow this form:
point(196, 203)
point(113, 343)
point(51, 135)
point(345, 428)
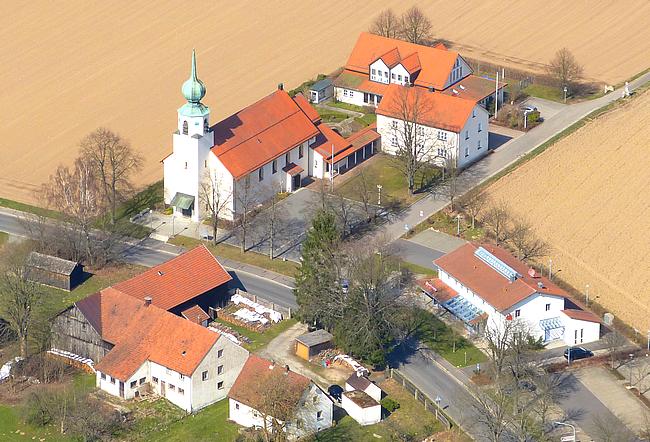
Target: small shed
point(321, 91)
point(361, 407)
point(53, 271)
point(362, 383)
point(310, 344)
point(196, 314)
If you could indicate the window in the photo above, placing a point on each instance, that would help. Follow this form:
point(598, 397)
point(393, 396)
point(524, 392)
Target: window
point(186, 164)
point(466, 151)
point(393, 76)
point(181, 391)
point(351, 94)
point(420, 131)
point(236, 406)
point(548, 307)
point(134, 384)
point(260, 174)
point(154, 379)
point(287, 158)
point(300, 151)
point(172, 387)
point(112, 380)
point(142, 380)
point(220, 385)
point(220, 353)
point(206, 126)
point(319, 415)
point(467, 135)
point(442, 153)
point(345, 92)
point(185, 127)
point(442, 135)
point(205, 163)
point(204, 375)
point(517, 313)
point(274, 166)
point(103, 376)
point(393, 124)
point(399, 77)
point(366, 97)
point(220, 369)
point(480, 128)
point(374, 72)
point(393, 141)
point(473, 113)
point(479, 144)
point(315, 399)
point(180, 375)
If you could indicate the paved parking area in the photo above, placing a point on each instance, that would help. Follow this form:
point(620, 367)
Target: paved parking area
point(546, 108)
point(438, 241)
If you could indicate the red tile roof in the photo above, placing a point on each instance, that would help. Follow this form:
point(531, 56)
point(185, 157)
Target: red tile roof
point(359, 82)
point(581, 315)
point(261, 132)
point(178, 280)
point(329, 138)
point(436, 109)
point(142, 333)
point(437, 289)
point(412, 63)
point(307, 108)
point(473, 88)
point(490, 285)
point(358, 141)
point(195, 314)
point(258, 374)
point(391, 58)
point(292, 169)
point(436, 63)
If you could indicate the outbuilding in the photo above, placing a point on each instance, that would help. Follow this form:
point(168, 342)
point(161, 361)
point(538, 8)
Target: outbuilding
point(321, 91)
point(362, 383)
point(361, 407)
point(310, 344)
point(53, 271)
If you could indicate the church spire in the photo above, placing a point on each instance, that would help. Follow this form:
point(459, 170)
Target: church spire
point(193, 90)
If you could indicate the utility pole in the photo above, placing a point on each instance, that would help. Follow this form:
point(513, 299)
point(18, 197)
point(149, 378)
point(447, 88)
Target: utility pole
point(496, 98)
point(550, 269)
point(332, 170)
point(587, 295)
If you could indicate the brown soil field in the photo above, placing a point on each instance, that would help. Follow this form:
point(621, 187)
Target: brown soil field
point(587, 196)
point(69, 67)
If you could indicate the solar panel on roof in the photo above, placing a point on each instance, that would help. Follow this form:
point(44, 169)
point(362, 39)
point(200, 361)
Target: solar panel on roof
point(498, 265)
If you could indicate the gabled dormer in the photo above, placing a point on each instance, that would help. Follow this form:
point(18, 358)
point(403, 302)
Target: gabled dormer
point(459, 70)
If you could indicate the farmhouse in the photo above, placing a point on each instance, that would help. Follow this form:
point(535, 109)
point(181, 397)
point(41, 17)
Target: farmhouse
point(442, 128)
point(255, 398)
point(268, 147)
point(486, 287)
point(53, 271)
point(376, 62)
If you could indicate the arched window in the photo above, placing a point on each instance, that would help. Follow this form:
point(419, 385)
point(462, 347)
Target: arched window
point(206, 126)
point(185, 127)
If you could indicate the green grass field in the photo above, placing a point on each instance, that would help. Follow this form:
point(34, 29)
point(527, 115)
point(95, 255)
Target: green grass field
point(4, 237)
point(259, 340)
point(443, 222)
point(330, 116)
point(545, 92)
point(449, 344)
point(366, 120)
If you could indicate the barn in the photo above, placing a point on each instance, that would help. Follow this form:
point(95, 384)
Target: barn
point(53, 271)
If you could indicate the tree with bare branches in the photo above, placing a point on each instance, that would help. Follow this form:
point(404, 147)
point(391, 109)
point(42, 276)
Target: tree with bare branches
point(246, 201)
point(452, 179)
point(473, 203)
point(497, 218)
point(565, 68)
point(523, 239)
point(214, 199)
point(415, 26)
point(412, 141)
point(114, 162)
point(386, 24)
point(615, 342)
point(366, 192)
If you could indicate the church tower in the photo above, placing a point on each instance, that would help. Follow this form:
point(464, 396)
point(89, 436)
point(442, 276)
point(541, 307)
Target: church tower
point(193, 116)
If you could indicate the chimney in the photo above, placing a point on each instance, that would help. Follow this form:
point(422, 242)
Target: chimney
point(431, 89)
point(540, 284)
point(147, 301)
point(280, 86)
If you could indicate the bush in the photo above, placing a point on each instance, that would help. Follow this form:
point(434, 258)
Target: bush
point(389, 404)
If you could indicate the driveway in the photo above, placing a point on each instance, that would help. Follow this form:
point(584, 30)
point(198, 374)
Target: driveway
point(546, 108)
point(425, 247)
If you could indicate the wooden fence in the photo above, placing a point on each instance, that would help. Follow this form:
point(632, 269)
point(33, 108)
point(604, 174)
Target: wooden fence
point(428, 403)
point(284, 311)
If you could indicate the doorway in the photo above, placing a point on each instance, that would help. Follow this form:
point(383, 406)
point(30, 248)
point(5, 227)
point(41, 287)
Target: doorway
point(295, 182)
point(162, 388)
point(122, 389)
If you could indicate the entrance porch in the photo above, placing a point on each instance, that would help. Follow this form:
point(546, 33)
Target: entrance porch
point(293, 177)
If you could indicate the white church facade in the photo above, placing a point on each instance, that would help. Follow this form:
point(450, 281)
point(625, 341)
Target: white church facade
point(271, 146)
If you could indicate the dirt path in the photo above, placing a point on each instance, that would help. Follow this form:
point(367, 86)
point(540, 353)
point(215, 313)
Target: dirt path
point(281, 351)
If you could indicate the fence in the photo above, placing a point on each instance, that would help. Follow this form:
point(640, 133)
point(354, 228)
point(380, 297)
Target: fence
point(284, 311)
point(428, 404)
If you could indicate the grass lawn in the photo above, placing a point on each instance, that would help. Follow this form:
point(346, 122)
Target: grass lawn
point(330, 116)
point(227, 251)
point(545, 92)
point(410, 419)
point(440, 338)
point(4, 237)
point(443, 222)
point(366, 120)
point(10, 204)
point(348, 106)
point(419, 270)
point(381, 170)
point(259, 340)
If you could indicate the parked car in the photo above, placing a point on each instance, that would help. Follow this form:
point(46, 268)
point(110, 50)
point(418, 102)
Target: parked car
point(335, 391)
point(577, 353)
point(528, 108)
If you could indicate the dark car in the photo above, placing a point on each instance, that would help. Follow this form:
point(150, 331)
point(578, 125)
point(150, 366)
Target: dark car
point(577, 353)
point(335, 391)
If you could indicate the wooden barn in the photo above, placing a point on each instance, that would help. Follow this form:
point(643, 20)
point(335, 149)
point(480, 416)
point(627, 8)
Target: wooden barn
point(53, 271)
point(310, 344)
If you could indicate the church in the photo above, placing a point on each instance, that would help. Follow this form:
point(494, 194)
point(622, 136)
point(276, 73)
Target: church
point(271, 146)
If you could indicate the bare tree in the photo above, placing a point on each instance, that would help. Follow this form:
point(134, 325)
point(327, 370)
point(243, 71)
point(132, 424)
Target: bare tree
point(607, 428)
point(506, 343)
point(416, 26)
point(640, 374)
point(214, 199)
point(496, 219)
point(492, 412)
point(342, 208)
point(114, 162)
point(615, 342)
point(565, 68)
point(365, 193)
point(246, 200)
point(473, 203)
point(386, 24)
point(523, 239)
point(412, 140)
point(550, 388)
point(452, 179)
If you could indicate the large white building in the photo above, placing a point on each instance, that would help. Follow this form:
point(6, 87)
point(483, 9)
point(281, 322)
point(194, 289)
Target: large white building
point(485, 287)
point(263, 388)
point(441, 127)
point(376, 62)
point(265, 148)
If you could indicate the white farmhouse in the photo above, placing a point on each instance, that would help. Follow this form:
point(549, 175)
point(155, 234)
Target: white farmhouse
point(361, 407)
point(153, 350)
point(376, 62)
point(485, 287)
point(264, 389)
point(243, 160)
point(444, 128)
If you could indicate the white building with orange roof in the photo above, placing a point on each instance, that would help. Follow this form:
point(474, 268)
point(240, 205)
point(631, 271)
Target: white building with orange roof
point(268, 147)
point(486, 287)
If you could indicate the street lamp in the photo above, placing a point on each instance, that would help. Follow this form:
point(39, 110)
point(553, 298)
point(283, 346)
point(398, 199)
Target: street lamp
point(458, 225)
point(379, 194)
point(568, 425)
point(565, 91)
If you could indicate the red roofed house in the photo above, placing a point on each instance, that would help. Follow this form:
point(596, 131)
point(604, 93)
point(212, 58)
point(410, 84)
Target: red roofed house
point(485, 286)
point(267, 147)
point(143, 348)
point(264, 389)
point(442, 128)
point(376, 62)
